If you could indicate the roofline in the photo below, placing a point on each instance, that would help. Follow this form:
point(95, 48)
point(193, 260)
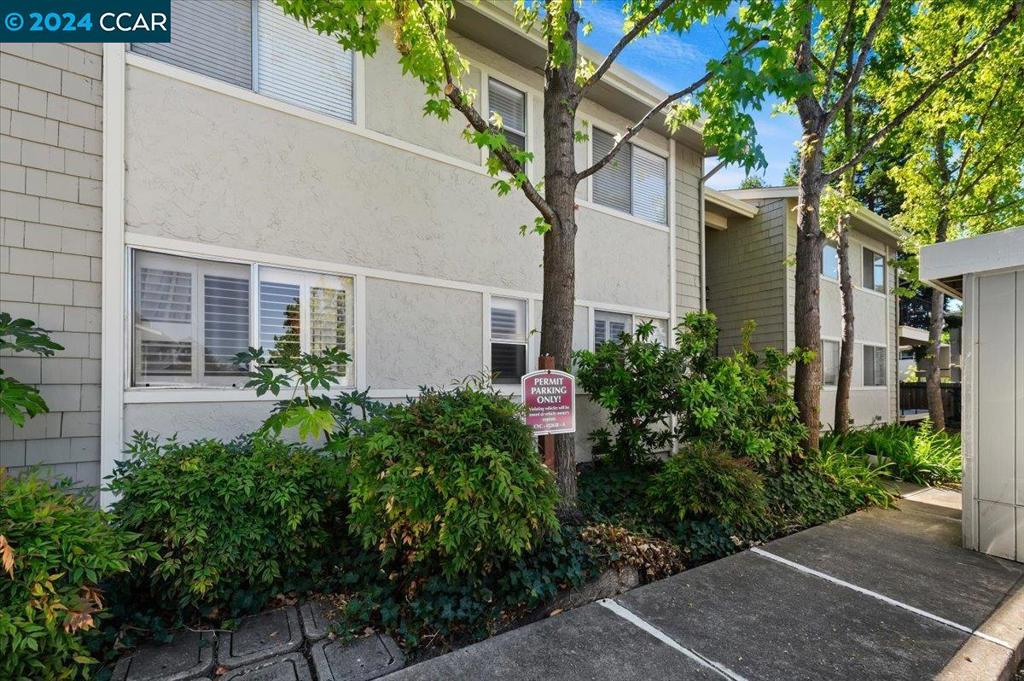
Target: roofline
point(723, 200)
point(863, 215)
point(984, 253)
point(622, 80)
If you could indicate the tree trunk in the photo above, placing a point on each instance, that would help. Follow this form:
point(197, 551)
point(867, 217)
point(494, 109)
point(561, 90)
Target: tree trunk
point(560, 242)
point(937, 319)
point(841, 419)
point(936, 412)
point(841, 416)
point(809, 240)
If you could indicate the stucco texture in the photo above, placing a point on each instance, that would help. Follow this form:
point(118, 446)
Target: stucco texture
point(306, 189)
point(421, 335)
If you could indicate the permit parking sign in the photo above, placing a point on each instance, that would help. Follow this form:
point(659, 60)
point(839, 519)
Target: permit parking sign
point(550, 400)
point(85, 21)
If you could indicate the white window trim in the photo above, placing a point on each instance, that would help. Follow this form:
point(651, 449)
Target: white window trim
point(302, 276)
point(531, 94)
point(885, 272)
point(489, 339)
point(824, 276)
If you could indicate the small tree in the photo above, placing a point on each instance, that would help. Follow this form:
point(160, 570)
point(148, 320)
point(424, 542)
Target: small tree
point(420, 27)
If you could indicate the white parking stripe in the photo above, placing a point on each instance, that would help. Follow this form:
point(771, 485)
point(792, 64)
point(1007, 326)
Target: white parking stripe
point(883, 598)
point(657, 633)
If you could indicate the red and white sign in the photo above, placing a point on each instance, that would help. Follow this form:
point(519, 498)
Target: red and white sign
point(550, 400)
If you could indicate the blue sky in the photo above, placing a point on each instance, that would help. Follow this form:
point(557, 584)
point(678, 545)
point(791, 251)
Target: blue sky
point(672, 62)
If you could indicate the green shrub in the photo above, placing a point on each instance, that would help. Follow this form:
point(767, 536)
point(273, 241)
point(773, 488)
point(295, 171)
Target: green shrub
point(702, 481)
point(233, 520)
point(435, 612)
point(742, 402)
point(451, 480)
point(637, 381)
point(55, 549)
point(922, 455)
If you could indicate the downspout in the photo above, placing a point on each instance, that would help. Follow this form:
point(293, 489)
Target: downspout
point(701, 233)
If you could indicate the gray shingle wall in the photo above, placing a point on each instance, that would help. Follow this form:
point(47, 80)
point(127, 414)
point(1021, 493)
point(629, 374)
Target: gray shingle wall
point(747, 277)
point(50, 177)
point(688, 171)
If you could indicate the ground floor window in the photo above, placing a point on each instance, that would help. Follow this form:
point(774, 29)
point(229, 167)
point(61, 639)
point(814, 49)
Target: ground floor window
point(609, 326)
point(191, 316)
point(830, 362)
point(874, 365)
point(509, 339)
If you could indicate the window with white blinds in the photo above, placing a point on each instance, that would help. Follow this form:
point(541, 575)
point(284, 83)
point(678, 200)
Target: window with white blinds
point(510, 104)
point(192, 316)
point(294, 64)
point(635, 181)
point(299, 66)
point(508, 339)
point(609, 326)
point(190, 319)
point(612, 184)
point(830, 362)
point(211, 37)
point(304, 311)
point(875, 373)
point(660, 326)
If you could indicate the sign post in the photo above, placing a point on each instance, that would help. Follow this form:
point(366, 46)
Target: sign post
point(550, 400)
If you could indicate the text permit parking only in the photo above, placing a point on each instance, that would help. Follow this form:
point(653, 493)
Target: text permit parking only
point(550, 400)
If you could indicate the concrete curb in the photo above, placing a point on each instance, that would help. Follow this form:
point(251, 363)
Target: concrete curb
point(981, 660)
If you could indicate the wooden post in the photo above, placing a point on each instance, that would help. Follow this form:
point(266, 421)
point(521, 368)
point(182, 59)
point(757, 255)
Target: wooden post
point(547, 442)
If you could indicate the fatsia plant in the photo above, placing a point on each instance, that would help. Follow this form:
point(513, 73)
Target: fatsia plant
point(310, 377)
point(750, 67)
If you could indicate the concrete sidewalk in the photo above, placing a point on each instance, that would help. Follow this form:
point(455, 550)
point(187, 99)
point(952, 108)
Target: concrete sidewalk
point(881, 594)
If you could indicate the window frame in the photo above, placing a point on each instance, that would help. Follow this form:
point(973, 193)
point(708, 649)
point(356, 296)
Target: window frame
point(875, 287)
point(874, 347)
point(310, 277)
point(526, 108)
point(660, 153)
point(523, 341)
point(835, 248)
point(254, 74)
point(838, 346)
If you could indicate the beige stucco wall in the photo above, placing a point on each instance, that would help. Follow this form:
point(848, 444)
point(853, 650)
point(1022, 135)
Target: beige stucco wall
point(344, 198)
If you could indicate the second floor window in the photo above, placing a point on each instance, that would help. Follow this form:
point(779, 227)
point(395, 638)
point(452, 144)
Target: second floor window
point(829, 261)
point(510, 104)
point(254, 45)
point(635, 181)
point(874, 271)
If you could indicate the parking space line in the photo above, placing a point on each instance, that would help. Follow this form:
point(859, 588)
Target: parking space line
point(657, 633)
point(878, 596)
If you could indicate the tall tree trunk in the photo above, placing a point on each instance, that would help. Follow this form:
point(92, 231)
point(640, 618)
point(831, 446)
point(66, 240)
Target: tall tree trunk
point(937, 319)
point(560, 241)
point(841, 418)
point(807, 307)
